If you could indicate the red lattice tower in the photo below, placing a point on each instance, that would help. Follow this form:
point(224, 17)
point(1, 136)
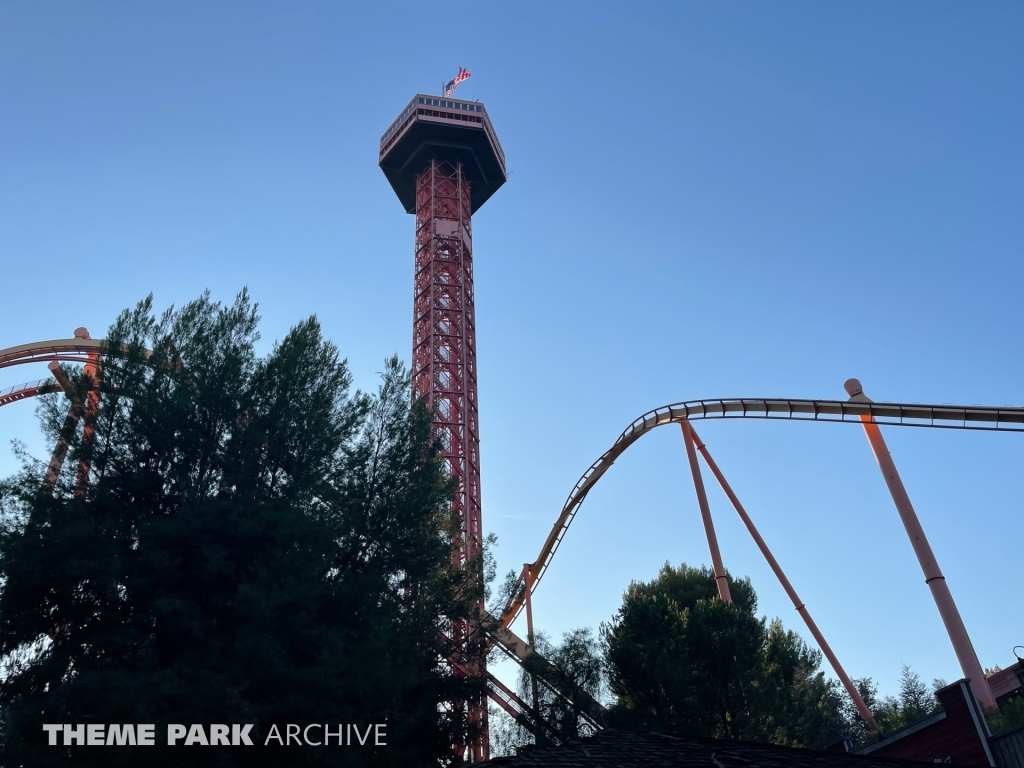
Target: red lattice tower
point(444, 161)
point(444, 333)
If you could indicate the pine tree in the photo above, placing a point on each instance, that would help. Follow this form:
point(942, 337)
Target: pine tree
point(681, 661)
point(256, 544)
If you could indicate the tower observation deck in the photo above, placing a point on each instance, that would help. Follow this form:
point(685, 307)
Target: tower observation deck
point(445, 130)
point(443, 159)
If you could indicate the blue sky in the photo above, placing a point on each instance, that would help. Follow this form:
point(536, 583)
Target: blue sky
point(706, 199)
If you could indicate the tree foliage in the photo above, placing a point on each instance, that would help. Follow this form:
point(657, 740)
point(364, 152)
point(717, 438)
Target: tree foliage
point(914, 702)
point(579, 658)
point(257, 544)
point(1009, 716)
point(684, 662)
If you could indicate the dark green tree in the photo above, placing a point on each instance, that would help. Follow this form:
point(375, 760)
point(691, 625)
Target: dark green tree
point(684, 662)
point(1009, 716)
point(857, 728)
point(914, 702)
point(257, 544)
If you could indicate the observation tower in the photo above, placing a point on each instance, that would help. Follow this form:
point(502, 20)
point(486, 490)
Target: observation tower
point(443, 159)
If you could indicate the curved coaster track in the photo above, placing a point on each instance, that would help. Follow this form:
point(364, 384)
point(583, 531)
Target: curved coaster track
point(858, 410)
point(976, 417)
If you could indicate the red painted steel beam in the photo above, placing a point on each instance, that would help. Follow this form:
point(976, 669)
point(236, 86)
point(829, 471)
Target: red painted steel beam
point(91, 377)
point(444, 375)
point(67, 432)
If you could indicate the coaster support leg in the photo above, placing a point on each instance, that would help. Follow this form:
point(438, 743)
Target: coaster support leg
point(705, 513)
point(91, 373)
point(819, 638)
point(933, 577)
point(67, 432)
point(528, 573)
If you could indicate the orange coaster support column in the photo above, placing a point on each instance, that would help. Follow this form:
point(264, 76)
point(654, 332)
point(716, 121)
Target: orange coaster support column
point(705, 512)
point(826, 649)
point(933, 577)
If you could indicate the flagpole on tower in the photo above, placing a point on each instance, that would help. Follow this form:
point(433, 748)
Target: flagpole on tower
point(448, 88)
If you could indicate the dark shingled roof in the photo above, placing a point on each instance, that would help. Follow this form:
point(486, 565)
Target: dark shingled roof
point(621, 749)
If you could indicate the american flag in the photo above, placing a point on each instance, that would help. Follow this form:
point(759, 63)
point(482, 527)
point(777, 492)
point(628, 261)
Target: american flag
point(450, 85)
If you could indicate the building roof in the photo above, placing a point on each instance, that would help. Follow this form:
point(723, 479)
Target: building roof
point(1006, 681)
point(957, 731)
point(620, 749)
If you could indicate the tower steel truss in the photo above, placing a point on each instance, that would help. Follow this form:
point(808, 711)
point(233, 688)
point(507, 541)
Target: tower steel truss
point(444, 334)
point(444, 374)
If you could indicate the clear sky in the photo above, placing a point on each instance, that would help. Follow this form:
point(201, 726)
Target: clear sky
point(706, 199)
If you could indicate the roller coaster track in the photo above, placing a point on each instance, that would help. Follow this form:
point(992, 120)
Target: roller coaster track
point(31, 389)
point(856, 411)
point(976, 417)
point(986, 418)
point(59, 350)
point(77, 350)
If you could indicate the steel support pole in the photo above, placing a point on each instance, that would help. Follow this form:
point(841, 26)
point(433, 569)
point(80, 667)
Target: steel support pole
point(67, 432)
point(705, 512)
point(826, 649)
point(528, 573)
point(933, 577)
point(91, 374)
